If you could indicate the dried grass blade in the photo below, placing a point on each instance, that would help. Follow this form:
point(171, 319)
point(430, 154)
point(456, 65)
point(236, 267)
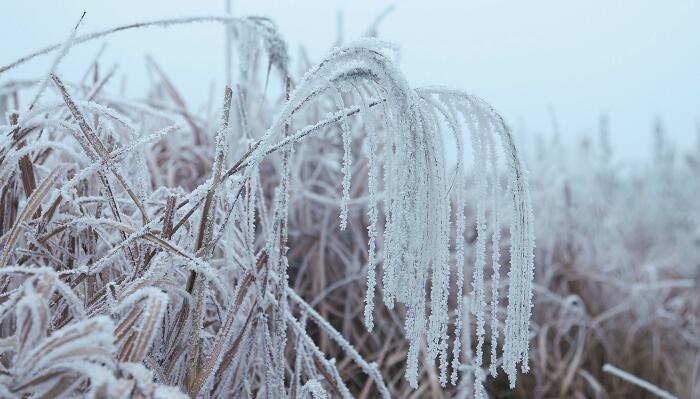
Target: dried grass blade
point(98, 146)
point(33, 204)
point(203, 236)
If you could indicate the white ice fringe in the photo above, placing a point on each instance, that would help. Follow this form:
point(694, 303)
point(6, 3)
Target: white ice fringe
point(483, 123)
point(419, 197)
point(372, 211)
point(416, 204)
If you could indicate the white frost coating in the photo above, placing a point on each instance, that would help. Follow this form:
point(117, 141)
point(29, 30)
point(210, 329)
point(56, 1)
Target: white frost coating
point(414, 196)
point(415, 202)
point(478, 132)
point(440, 283)
point(372, 211)
point(483, 122)
point(450, 116)
point(522, 269)
point(346, 168)
point(314, 389)
point(495, 252)
point(32, 311)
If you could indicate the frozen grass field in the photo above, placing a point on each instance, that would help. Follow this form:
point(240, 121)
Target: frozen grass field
point(323, 228)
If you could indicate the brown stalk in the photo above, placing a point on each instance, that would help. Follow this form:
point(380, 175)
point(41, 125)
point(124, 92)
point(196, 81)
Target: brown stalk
point(32, 206)
point(91, 140)
point(205, 227)
point(168, 217)
point(46, 218)
point(210, 362)
point(326, 375)
point(232, 350)
point(167, 230)
point(148, 328)
point(164, 244)
point(25, 165)
point(127, 323)
point(27, 171)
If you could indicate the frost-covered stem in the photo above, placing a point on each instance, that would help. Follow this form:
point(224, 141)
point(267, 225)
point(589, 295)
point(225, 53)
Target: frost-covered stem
point(369, 368)
point(446, 108)
point(282, 211)
point(300, 134)
point(245, 159)
point(478, 303)
point(608, 368)
point(521, 274)
point(197, 284)
point(372, 212)
point(346, 167)
point(98, 149)
point(61, 54)
point(459, 266)
point(440, 284)
point(223, 336)
point(329, 366)
point(483, 121)
point(206, 221)
point(495, 254)
point(161, 23)
point(33, 203)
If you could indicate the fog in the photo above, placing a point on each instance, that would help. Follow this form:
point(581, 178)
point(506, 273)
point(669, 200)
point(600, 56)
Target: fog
point(546, 66)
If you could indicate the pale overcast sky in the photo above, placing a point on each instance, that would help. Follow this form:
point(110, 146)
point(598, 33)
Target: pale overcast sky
point(635, 60)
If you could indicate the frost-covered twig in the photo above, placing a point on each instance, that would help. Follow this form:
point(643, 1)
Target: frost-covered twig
point(608, 368)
